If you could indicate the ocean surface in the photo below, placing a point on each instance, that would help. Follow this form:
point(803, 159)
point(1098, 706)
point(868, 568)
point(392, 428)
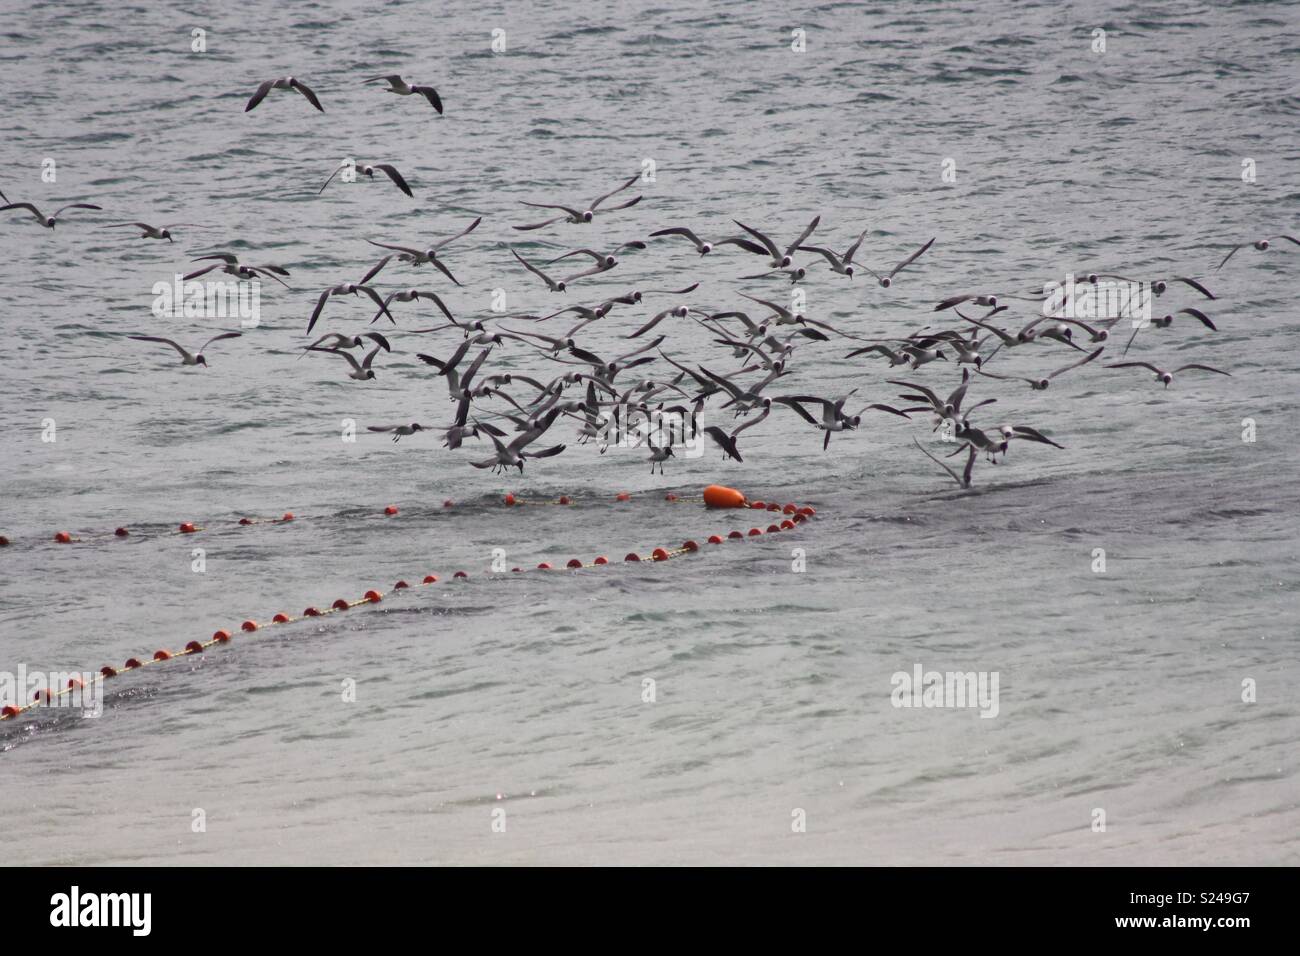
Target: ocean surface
point(504, 719)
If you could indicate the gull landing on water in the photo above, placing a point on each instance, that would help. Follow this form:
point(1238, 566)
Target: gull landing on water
point(187, 357)
point(399, 86)
point(48, 221)
point(284, 83)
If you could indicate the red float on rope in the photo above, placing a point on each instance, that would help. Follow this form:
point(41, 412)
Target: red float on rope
point(245, 521)
point(162, 655)
point(280, 618)
point(400, 586)
point(659, 554)
point(460, 574)
point(543, 567)
point(187, 527)
point(287, 516)
point(715, 539)
point(311, 612)
point(574, 563)
point(248, 626)
point(734, 534)
point(632, 556)
point(772, 529)
point(754, 531)
point(63, 537)
point(340, 605)
point(601, 559)
point(107, 671)
point(374, 597)
point(690, 546)
point(565, 500)
point(121, 532)
point(623, 496)
point(222, 636)
point(193, 647)
point(430, 579)
point(391, 510)
point(509, 500)
point(131, 664)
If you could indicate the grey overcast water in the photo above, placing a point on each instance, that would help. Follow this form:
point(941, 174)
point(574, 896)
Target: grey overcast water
point(1156, 697)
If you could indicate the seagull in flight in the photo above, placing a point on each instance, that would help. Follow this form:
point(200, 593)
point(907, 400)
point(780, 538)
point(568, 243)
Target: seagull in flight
point(153, 232)
point(399, 86)
point(187, 357)
point(48, 221)
point(702, 247)
point(766, 247)
point(361, 371)
point(573, 215)
point(419, 256)
point(347, 288)
point(1168, 376)
point(399, 431)
point(284, 83)
point(1041, 384)
point(369, 170)
point(1260, 244)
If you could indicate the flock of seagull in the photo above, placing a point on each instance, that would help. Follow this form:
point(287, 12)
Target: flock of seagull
point(513, 412)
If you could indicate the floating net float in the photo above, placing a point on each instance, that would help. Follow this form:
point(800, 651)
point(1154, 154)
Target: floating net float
point(713, 497)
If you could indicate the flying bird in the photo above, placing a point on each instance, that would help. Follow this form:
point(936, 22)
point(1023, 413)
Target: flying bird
point(369, 170)
point(187, 357)
point(570, 214)
point(399, 86)
point(284, 83)
point(49, 221)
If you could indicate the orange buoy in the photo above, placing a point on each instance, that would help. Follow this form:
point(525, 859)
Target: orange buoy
point(121, 532)
point(632, 556)
point(193, 647)
point(221, 636)
point(63, 537)
point(248, 626)
point(720, 496)
point(187, 527)
point(374, 597)
point(280, 618)
point(715, 539)
point(287, 516)
point(340, 605)
point(623, 496)
point(601, 559)
point(543, 567)
point(107, 671)
point(754, 531)
point(574, 563)
point(391, 510)
point(690, 546)
point(460, 574)
point(659, 554)
point(400, 586)
point(162, 655)
point(430, 579)
point(131, 664)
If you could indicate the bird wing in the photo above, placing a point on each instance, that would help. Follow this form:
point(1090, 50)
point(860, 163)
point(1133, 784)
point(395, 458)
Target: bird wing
point(464, 232)
point(808, 231)
point(306, 91)
point(155, 338)
point(614, 192)
point(430, 94)
point(912, 258)
point(767, 243)
point(1083, 361)
point(391, 172)
point(260, 95)
point(217, 338)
